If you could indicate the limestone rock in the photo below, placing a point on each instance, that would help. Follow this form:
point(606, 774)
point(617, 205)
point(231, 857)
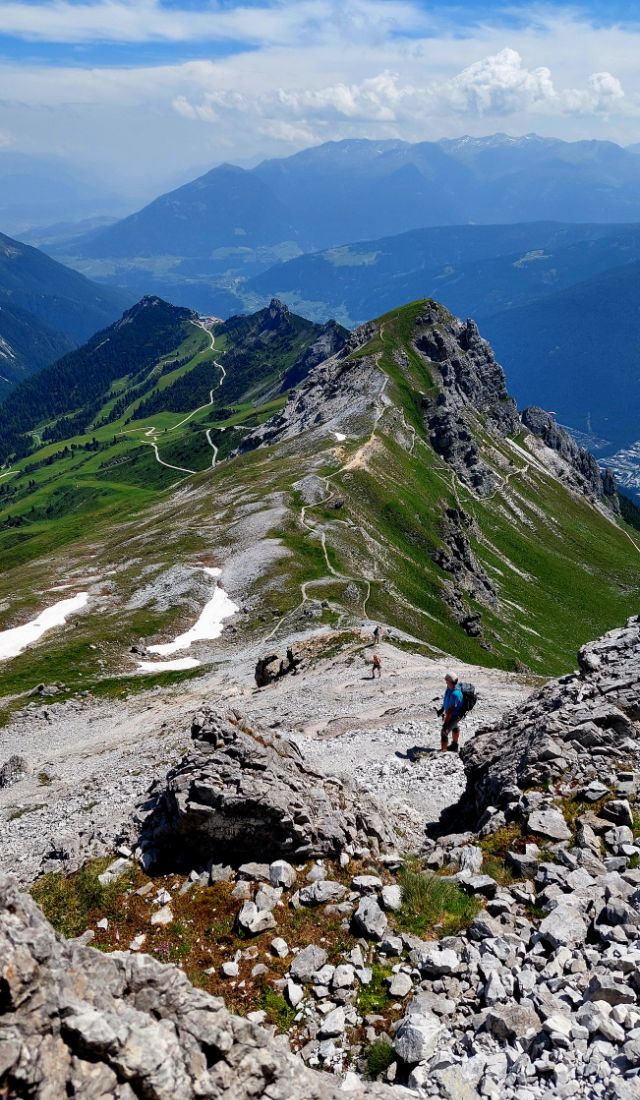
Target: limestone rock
point(556, 732)
point(514, 1021)
point(564, 927)
point(549, 823)
point(369, 919)
point(321, 892)
point(282, 873)
point(253, 920)
point(77, 1022)
point(418, 1035)
point(244, 791)
point(391, 897)
point(116, 870)
point(13, 770)
point(306, 962)
point(400, 985)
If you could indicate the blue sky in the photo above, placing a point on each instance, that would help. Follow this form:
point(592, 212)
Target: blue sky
point(147, 92)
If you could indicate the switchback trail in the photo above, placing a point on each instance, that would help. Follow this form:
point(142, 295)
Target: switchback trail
point(153, 431)
point(355, 461)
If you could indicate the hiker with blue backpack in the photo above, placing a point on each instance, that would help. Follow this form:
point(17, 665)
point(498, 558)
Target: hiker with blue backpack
point(458, 700)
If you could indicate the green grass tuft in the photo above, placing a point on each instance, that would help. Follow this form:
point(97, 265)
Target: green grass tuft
point(432, 905)
point(379, 1055)
point(374, 997)
point(67, 900)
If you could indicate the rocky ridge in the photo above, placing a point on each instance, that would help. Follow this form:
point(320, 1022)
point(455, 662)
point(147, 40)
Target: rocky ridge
point(583, 471)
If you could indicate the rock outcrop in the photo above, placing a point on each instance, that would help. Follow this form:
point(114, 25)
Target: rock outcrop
point(581, 469)
point(332, 338)
point(469, 378)
point(13, 770)
point(247, 793)
point(468, 578)
point(339, 394)
point(273, 666)
point(76, 1022)
point(574, 730)
point(466, 365)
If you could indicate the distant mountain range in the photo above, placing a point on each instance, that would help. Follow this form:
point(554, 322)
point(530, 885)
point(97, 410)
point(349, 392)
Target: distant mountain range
point(197, 244)
point(46, 309)
point(534, 237)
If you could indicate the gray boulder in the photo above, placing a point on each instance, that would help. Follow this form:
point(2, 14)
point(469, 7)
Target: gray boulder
point(513, 1021)
point(549, 823)
point(553, 736)
point(306, 962)
point(13, 770)
point(241, 790)
point(564, 927)
point(321, 892)
point(419, 1034)
point(369, 919)
point(253, 920)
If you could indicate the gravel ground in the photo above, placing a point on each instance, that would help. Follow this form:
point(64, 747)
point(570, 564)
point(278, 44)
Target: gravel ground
point(92, 762)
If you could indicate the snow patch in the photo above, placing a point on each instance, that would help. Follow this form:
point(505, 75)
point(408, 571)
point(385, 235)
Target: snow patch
point(168, 666)
point(340, 437)
point(13, 641)
point(210, 624)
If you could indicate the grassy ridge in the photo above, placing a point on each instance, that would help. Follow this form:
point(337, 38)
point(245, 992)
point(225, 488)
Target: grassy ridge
point(99, 506)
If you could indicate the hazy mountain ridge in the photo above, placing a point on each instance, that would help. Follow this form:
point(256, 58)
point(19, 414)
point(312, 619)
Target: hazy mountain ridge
point(197, 244)
point(544, 294)
point(45, 310)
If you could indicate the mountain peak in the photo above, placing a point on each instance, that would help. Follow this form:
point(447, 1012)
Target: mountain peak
point(152, 304)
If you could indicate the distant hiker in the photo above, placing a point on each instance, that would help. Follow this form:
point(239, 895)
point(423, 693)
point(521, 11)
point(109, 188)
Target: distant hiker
point(458, 700)
point(378, 635)
point(377, 667)
point(292, 661)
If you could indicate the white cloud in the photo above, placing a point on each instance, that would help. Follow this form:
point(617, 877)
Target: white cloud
point(604, 95)
point(499, 85)
point(150, 21)
point(495, 87)
point(309, 71)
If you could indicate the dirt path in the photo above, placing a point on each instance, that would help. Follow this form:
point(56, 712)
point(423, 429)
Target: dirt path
point(313, 528)
point(153, 432)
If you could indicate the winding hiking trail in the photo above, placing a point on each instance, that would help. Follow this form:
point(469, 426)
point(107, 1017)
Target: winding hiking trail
point(357, 460)
point(152, 431)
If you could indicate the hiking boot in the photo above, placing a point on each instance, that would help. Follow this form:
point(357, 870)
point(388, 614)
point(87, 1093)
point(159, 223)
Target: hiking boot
point(454, 747)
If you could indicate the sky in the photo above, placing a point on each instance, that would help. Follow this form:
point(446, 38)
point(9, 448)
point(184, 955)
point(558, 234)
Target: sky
point(144, 94)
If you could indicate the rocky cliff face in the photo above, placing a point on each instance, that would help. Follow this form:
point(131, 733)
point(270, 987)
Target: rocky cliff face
point(468, 378)
point(336, 395)
point(581, 469)
point(578, 730)
point(330, 341)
